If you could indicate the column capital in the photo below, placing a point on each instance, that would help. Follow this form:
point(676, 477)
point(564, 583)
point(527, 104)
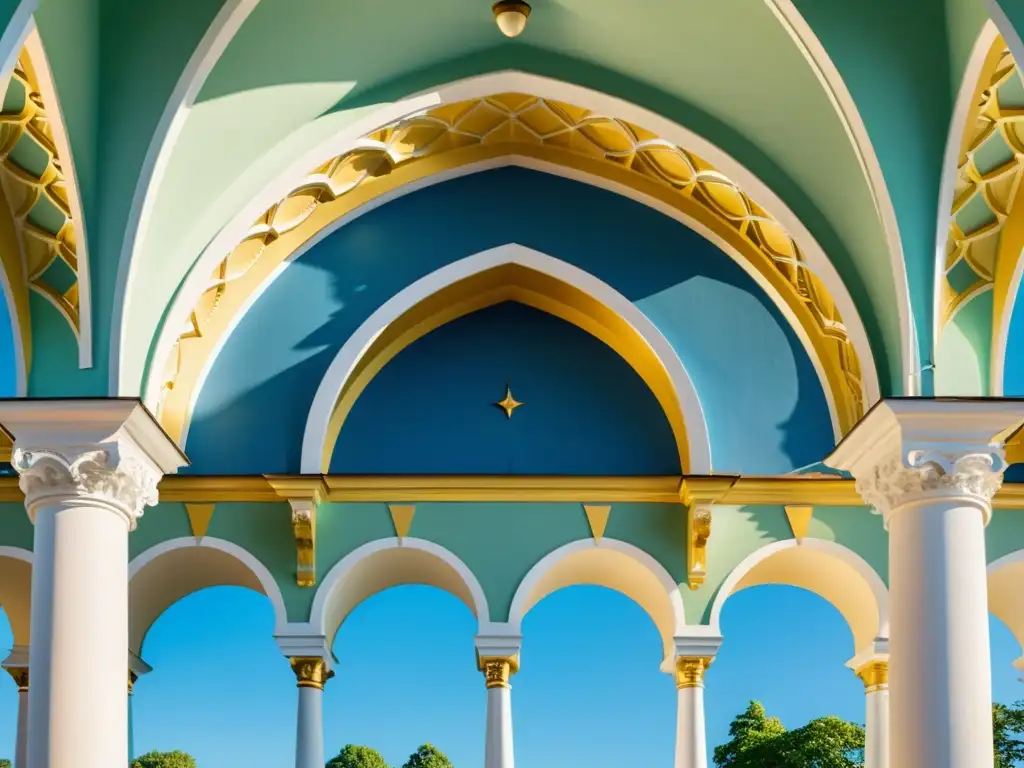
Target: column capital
point(914, 449)
point(874, 674)
point(20, 675)
point(498, 670)
point(310, 671)
point(690, 671)
point(109, 451)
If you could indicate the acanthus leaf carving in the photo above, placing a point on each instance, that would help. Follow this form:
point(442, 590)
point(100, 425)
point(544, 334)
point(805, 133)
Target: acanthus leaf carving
point(102, 475)
point(922, 473)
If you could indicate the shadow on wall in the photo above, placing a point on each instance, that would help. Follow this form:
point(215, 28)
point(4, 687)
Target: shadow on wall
point(251, 413)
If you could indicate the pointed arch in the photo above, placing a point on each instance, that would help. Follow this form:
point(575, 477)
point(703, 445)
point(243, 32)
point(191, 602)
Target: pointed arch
point(509, 272)
point(355, 168)
point(830, 570)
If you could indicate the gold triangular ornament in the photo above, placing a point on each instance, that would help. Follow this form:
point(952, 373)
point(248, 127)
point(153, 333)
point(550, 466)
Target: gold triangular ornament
point(199, 516)
point(598, 519)
point(799, 520)
point(401, 516)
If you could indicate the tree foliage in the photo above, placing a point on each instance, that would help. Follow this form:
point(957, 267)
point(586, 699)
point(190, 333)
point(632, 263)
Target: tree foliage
point(175, 759)
point(5, 763)
point(759, 741)
point(428, 756)
point(1008, 721)
point(354, 756)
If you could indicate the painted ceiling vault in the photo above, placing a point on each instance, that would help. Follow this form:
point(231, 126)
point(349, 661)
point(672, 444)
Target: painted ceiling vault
point(162, 168)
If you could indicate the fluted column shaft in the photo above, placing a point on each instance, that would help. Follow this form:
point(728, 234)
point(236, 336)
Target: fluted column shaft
point(311, 674)
point(691, 732)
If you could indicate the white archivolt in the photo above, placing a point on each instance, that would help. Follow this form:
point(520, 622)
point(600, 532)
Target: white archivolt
point(344, 364)
point(613, 564)
point(196, 283)
point(221, 31)
point(173, 569)
point(839, 575)
point(392, 562)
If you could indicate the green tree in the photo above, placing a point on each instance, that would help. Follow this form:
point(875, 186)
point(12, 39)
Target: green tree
point(1007, 721)
point(175, 759)
point(354, 756)
point(428, 756)
point(749, 733)
point(759, 741)
point(5, 763)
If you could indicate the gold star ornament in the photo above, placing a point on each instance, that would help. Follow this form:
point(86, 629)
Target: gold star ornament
point(509, 404)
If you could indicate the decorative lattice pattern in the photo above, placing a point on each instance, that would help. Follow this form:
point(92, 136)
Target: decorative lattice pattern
point(34, 185)
point(516, 121)
point(988, 177)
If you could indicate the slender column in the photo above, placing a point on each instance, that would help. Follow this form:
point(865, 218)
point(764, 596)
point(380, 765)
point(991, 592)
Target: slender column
point(310, 673)
point(132, 679)
point(875, 675)
point(931, 468)
point(498, 670)
point(88, 468)
point(691, 734)
point(20, 675)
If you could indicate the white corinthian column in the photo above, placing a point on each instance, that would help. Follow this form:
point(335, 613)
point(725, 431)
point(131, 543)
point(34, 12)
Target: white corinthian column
point(694, 654)
point(88, 468)
point(931, 467)
point(498, 659)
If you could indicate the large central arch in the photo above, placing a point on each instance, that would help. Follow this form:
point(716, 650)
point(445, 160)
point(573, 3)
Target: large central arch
point(509, 272)
point(382, 156)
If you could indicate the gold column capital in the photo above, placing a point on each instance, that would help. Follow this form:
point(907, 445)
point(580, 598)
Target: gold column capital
point(132, 679)
point(690, 671)
point(20, 675)
point(310, 671)
point(875, 675)
point(498, 670)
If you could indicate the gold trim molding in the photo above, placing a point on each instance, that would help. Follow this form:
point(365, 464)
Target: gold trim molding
point(467, 132)
point(778, 490)
point(875, 676)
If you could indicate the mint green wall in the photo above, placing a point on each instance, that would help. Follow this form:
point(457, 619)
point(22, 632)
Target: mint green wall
point(736, 532)
point(1005, 533)
point(963, 356)
point(15, 527)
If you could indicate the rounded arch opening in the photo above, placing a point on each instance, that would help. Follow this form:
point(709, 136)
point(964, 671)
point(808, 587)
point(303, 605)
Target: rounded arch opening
point(613, 564)
point(386, 563)
point(175, 569)
point(510, 272)
point(830, 570)
point(16, 591)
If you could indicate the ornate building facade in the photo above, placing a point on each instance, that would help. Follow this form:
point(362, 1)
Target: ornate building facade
point(323, 298)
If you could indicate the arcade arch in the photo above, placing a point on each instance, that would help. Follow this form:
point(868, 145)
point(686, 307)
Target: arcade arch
point(386, 563)
point(830, 570)
point(174, 569)
point(616, 565)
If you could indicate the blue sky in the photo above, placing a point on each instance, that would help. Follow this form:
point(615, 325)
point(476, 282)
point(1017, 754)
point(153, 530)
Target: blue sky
point(589, 692)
